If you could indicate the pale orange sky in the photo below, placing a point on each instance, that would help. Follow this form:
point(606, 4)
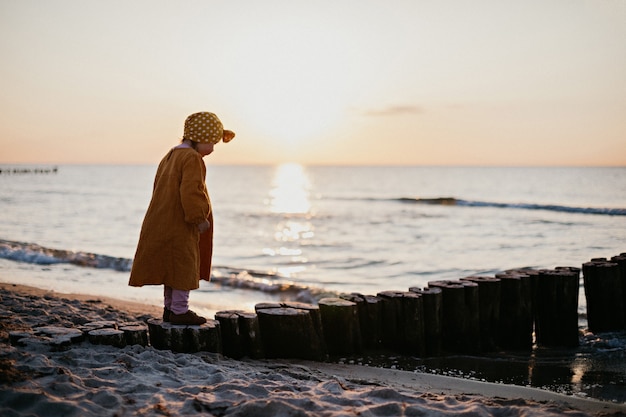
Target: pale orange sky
point(483, 82)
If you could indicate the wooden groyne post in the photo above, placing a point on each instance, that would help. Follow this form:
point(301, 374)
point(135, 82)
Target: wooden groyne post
point(185, 339)
point(370, 323)
point(515, 328)
point(341, 326)
point(432, 302)
point(291, 330)
point(556, 321)
point(488, 310)
point(241, 334)
point(621, 261)
point(604, 294)
point(402, 316)
point(460, 316)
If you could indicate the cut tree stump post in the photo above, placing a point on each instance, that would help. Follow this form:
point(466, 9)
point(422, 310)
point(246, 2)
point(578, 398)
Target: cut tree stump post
point(291, 330)
point(207, 337)
point(231, 335)
point(340, 323)
point(185, 339)
point(370, 319)
point(403, 321)
point(453, 314)
point(621, 261)
point(412, 324)
point(604, 295)
point(159, 335)
point(316, 318)
point(556, 322)
point(391, 312)
point(135, 333)
point(515, 331)
point(460, 316)
point(250, 331)
point(472, 307)
point(488, 310)
point(58, 338)
point(107, 336)
point(241, 334)
point(432, 302)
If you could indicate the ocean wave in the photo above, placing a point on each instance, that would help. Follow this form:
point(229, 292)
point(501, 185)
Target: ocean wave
point(35, 254)
point(451, 201)
point(268, 282)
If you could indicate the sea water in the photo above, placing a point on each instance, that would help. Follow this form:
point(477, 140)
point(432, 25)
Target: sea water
point(301, 232)
point(325, 229)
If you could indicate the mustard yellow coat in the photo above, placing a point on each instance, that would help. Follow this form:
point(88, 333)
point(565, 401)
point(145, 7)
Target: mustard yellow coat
point(168, 250)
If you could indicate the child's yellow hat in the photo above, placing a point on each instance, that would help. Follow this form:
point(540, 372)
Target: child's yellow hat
point(205, 127)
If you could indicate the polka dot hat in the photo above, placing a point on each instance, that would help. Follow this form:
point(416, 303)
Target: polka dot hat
point(204, 127)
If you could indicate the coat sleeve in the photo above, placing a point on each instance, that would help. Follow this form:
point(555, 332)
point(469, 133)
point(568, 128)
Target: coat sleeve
point(193, 194)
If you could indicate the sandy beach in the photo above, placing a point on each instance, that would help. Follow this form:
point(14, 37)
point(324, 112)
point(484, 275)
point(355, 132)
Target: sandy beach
point(38, 379)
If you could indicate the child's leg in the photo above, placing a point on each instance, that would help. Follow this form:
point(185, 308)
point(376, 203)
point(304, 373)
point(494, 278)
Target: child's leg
point(167, 297)
point(179, 309)
point(180, 301)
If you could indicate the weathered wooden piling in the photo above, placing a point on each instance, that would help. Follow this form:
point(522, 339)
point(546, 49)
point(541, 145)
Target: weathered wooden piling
point(340, 323)
point(231, 336)
point(60, 336)
point(390, 317)
point(291, 330)
point(241, 335)
point(604, 295)
point(412, 321)
point(250, 331)
point(185, 339)
point(205, 338)
point(488, 310)
point(570, 279)
point(135, 333)
point(556, 321)
point(621, 261)
point(403, 321)
point(432, 302)
point(515, 330)
point(369, 308)
point(316, 318)
point(460, 316)
point(107, 336)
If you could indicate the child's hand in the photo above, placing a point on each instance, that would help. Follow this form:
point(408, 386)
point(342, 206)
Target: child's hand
point(228, 136)
point(204, 226)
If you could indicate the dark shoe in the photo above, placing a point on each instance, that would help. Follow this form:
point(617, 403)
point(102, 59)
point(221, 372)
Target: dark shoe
point(166, 314)
point(189, 318)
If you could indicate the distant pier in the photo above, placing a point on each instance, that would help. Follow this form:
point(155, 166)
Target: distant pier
point(28, 170)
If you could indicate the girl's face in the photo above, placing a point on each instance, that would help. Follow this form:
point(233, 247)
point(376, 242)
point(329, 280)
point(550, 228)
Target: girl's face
point(205, 149)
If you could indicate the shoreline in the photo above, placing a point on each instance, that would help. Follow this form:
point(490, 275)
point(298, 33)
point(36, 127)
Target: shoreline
point(137, 380)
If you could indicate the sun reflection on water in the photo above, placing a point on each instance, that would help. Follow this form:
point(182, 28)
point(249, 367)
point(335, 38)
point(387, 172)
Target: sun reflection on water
point(289, 199)
point(290, 192)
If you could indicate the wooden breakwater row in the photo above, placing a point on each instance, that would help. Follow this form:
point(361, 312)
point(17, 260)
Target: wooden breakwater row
point(513, 310)
point(27, 170)
point(104, 332)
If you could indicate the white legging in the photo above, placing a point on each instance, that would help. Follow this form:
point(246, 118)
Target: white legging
point(176, 300)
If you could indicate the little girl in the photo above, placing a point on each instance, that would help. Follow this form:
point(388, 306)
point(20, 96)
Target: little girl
point(176, 240)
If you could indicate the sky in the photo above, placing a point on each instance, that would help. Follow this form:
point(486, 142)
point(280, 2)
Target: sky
point(339, 82)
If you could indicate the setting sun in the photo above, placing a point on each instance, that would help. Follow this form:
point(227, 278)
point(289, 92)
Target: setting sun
point(297, 87)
